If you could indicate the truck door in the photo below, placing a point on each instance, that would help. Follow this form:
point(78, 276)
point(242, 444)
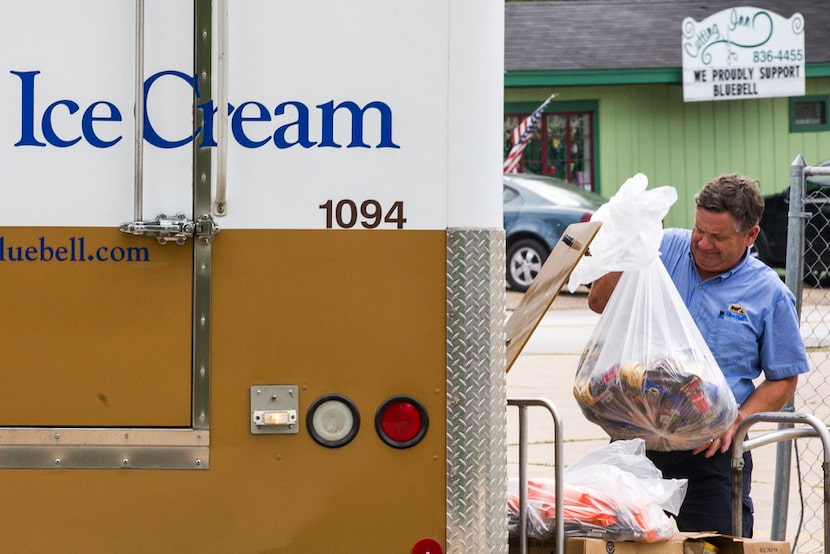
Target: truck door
point(97, 324)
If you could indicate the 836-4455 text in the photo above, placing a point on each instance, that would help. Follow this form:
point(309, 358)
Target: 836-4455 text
point(792, 55)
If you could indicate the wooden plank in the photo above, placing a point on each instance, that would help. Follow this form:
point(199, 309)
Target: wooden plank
point(544, 289)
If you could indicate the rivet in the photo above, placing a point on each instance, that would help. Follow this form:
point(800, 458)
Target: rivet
point(198, 462)
point(58, 462)
point(57, 436)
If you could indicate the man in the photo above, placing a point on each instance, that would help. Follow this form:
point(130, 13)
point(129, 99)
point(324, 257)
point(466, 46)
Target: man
point(747, 317)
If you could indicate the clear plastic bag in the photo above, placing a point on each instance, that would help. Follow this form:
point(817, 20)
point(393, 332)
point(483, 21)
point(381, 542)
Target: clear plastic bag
point(632, 227)
point(613, 492)
point(647, 372)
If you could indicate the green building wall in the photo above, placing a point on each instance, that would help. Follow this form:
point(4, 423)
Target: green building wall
point(648, 128)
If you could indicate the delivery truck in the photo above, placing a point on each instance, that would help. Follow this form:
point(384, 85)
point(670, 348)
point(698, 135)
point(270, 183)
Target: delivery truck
point(251, 276)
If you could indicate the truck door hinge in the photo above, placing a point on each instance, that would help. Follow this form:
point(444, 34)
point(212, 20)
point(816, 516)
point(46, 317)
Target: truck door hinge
point(176, 229)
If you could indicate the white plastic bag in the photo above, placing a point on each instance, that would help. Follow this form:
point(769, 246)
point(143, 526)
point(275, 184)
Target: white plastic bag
point(614, 492)
point(647, 372)
point(632, 227)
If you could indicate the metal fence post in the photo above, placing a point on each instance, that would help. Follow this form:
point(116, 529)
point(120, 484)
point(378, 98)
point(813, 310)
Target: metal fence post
point(794, 278)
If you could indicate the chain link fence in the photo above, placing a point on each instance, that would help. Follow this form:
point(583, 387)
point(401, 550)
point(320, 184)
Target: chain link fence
point(801, 470)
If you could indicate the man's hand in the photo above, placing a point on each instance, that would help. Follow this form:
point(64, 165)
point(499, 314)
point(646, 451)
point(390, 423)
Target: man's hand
point(718, 444)
point(770, 396)
point(601, 290)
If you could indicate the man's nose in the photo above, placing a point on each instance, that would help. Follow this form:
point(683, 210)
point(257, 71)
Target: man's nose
point(703, 241)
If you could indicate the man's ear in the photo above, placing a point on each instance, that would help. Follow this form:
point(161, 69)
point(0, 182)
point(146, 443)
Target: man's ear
point(752, 235)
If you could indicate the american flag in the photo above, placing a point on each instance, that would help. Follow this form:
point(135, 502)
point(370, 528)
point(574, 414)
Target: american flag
point(521, 135)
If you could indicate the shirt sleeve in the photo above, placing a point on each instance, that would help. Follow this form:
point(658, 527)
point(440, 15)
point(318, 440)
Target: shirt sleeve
point(782, 348)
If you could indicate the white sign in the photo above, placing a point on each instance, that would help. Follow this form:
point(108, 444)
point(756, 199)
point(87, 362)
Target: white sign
point(363, 126)
point(743, 53)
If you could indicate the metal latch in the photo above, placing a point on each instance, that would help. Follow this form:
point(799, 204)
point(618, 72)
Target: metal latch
point(177, 228)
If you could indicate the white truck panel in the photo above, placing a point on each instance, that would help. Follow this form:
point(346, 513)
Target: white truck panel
point(323, 109)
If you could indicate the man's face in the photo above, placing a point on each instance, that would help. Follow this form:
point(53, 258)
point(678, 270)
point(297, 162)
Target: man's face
point(716, 247)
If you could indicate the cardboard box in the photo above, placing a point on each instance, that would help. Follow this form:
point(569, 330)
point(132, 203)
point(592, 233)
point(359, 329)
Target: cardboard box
point(695, 543)
point(681, 543)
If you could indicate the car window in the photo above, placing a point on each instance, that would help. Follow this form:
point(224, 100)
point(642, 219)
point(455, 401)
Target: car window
point(510, 194)
point(563, 194)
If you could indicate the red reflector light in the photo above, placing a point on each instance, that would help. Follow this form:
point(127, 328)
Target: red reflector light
point(427, 546)
point(586, 217)
point(401, 421)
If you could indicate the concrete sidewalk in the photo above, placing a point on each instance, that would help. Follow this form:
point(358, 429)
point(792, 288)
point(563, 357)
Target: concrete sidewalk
point(546, 368)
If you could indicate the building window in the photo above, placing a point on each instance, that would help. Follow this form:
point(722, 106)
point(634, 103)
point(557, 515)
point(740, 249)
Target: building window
point(562, 146)
point(808, 113)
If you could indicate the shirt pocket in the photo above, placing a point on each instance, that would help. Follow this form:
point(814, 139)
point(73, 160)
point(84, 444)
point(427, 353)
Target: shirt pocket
point(734, 343)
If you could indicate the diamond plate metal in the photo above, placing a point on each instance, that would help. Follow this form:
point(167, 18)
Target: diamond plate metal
point(476, 392)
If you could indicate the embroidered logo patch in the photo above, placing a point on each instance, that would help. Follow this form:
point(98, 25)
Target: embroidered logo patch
point(735, 312)
point(737, 309)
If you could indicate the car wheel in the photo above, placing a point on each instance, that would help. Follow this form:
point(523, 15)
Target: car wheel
point(524, 262)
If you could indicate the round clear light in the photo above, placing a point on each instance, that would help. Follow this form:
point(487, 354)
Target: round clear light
point(333, 420)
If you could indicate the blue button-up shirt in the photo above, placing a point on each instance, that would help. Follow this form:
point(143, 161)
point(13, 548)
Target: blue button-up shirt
point(746, 315)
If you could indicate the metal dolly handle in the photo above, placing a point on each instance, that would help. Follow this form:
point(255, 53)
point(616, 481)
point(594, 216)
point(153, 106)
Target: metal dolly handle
point(816, 429)
point(558, 463)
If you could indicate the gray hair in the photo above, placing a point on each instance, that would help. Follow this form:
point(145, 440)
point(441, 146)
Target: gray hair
point(735, 194)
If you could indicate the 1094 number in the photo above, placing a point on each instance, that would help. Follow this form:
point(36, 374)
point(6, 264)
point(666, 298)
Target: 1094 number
point(345, 214)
